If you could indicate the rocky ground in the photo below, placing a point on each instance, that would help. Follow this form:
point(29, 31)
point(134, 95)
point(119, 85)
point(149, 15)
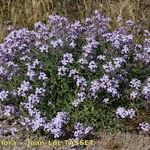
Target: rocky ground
point(101, 141)
point(118, 141)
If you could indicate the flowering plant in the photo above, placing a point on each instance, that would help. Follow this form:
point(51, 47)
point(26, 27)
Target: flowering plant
point(68, 76)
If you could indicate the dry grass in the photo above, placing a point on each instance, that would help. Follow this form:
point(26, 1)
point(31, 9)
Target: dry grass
point(128, 9)
point(26, 12)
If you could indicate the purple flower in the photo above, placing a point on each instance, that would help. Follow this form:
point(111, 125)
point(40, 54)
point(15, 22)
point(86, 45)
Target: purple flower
point(81, 81)
point(62, 71)
point(42, 76)
point(135, 83)
point(145, 126)
point(25, 87)
point(3, 95)
point(81, 131)
point(67, 59)
point(81, 96)
point(123, 113)
point(57, 124)
point(92, 66)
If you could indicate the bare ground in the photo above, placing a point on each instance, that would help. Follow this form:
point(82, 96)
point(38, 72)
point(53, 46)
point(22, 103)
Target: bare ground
point(102, 141)
point(118, 141)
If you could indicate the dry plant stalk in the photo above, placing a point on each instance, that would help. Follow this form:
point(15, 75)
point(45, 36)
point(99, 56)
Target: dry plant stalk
point(26, 12)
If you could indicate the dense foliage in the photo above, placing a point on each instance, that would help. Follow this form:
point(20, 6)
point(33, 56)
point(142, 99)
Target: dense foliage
point(67, 79)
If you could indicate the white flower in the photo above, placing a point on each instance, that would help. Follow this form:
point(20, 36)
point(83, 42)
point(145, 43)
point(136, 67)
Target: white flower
point(106, 100)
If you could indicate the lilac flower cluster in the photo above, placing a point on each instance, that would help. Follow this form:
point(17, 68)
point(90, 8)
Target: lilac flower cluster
point(143, 51)
point(3, 95)
point(81, 131)
point(30, 67)
point(34, 122)
point(105, 83)
point(24, 87)
point(57, 124)
point(145, 126)
point(7, 110)
point(80, 98)
point(146, 89)
point(119, 38)
point(112, 66)
point(123, 113)
point(135, 83)
point(9, 131)
point(140, 89)
point(67, 59)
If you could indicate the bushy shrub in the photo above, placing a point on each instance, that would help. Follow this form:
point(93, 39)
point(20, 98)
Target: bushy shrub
point(67, 79)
